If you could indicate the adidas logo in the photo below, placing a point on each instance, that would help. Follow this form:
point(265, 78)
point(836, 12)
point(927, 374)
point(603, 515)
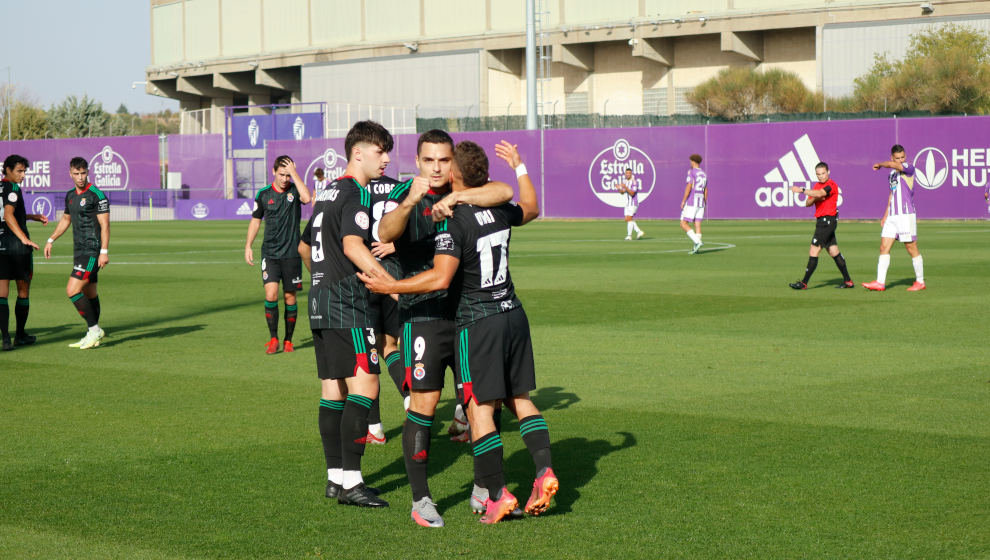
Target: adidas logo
point(244, 210)
point(798, 167)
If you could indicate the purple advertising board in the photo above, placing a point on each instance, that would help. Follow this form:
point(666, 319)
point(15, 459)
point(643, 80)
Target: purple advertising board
point(200, 161)
point(212, 209)
point(116, 163)
point(250, 132)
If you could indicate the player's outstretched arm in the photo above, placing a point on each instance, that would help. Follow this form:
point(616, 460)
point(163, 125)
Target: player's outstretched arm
point(63, 224)
point(253, 226)
point(890, 164)
point(437, 278)
point(528, 201)
point(304, 195)
point(494, 193)
point(38, 218)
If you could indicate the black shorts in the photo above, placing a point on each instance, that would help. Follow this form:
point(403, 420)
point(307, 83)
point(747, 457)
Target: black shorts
point(85, 267)
point(427, 352)
point(288, 271)
point(388, 315)
point(494, 357)
point(17, 267)
point(825, 231)
point(341, 352)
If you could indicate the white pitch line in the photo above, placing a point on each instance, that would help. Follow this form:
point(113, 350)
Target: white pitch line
point(711, 245)
point(170, 263)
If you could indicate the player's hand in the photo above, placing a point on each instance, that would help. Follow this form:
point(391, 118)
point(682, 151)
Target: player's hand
point(445, 207)
point(795, 189)
point(876, 166)
point(417, 190)
point(31, 244)
point(249, 256)
point(883, 220)
point(41, 218)
point(375, 283)
point(379, 249)
point(290, 166)
point(103, 260)
point(48, 250)
point(508, 152)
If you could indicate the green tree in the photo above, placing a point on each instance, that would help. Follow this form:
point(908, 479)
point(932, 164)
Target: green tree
point(738, 93)
point(75, 118)
point(29, 121)
point(946, 69)
point(122, 109)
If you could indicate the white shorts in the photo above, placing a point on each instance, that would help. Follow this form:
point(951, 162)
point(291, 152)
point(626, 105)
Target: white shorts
point(902, 227)
point(693, 213)
point(630, 211)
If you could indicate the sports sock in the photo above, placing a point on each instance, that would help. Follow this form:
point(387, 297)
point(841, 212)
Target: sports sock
point(883, 263)
point(919, 269)
point(375, 413)
point(635, 227)
point(396, 371)
point(271, 317)
point(84, 308)
point(353, 434)
point(536, 436)
point(840, 262)
point(693, 236)
point(629, 228)
point(290, 320)
point(21, 308)
point(810, 269)
point(488, 464)
point(416, 451)
point(95, 302)
point(4, 316)
point(329, 420)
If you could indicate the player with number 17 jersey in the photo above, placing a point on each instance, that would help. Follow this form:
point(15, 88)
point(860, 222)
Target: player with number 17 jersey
point(337, 299)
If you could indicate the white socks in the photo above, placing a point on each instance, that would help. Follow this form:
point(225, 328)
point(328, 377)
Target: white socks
point(352, 479)
point(694, 236)
point(94, 329)
point(883, 263)
point(919, 269)
point(335, 476)
point(635, 227)
point(629, 228)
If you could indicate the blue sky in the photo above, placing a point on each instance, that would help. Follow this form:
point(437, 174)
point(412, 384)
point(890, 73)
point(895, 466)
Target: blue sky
point(56, 48)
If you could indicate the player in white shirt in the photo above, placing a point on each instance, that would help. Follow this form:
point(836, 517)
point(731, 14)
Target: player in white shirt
point(899, 221)
point(694, 202)
point(319, 183)
point(629, 186)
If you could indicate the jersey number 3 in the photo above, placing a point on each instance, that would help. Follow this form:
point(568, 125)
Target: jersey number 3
point(317, 254)
point(488, 246)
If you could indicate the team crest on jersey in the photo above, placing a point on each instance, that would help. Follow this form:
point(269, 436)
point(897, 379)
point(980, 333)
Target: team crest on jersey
point(289, 197)
point(82, 202)
point(264, 275)
point(374, 356)
point(361, 219)
point(12, 197)
point(420, 371)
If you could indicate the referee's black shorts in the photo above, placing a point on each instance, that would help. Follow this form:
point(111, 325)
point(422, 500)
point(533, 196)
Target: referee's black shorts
point(825, 231)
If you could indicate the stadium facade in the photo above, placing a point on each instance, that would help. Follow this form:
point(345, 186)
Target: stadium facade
point(457, 58)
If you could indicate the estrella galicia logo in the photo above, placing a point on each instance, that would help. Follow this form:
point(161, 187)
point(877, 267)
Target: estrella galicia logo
point(298, 128)
point(332, 163)
point(253, 130)
point(610, 165)
point(931, 168)
point(42, 205)
point(200, 211)
point(108, 170)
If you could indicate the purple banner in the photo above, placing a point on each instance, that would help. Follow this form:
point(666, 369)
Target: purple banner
point(253, 131)
point(199, 159)
point(116, 163)
point(749, 166)
point(212, 209)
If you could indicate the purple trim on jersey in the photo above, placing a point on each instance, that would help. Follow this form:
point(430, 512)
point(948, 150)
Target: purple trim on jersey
point(902, 191)
point(698, 178)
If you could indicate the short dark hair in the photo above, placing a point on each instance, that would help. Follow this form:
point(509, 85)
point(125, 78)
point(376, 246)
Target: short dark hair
point(695, 158)
point(12, 160)
point(78, 163)
point(472, 162)
point(368, 132)
point(896, 149)
point(281, 161)
point(822, 164)
point(318, 173)
point(435, 136)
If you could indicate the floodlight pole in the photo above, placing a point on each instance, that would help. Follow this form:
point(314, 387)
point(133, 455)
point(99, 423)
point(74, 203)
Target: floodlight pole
point(530, 64)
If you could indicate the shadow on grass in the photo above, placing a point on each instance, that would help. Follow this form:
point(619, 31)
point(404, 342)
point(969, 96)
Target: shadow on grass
point(164, 332)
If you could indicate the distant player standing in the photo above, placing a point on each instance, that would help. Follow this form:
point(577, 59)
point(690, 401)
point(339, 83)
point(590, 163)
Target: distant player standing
point(319, 182)
point(629, 186)
point(87, 210)
point(342, 315)
point(16, 257)
point(696, 192)
point(899, 220)
point(825, 197)
point(279, 205)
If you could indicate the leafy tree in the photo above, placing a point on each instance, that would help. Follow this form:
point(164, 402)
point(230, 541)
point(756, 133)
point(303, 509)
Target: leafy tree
point(74, 118)
point(29, 121)
point(122, 110)
point(738, 93)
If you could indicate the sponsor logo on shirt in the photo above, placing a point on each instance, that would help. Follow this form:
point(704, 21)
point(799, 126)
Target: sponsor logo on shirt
point(444, 242)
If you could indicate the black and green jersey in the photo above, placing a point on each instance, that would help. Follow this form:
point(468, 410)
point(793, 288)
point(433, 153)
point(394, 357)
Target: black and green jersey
point(11, 195)
point(280, 210)
point(479, 237)
point(338, 300)
point(414, 250)
point(83, 207)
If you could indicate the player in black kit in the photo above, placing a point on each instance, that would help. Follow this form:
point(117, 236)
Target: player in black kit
point(279, 205)
point(494, 355)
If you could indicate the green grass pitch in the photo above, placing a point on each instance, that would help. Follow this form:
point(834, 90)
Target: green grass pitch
point(698, 407)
